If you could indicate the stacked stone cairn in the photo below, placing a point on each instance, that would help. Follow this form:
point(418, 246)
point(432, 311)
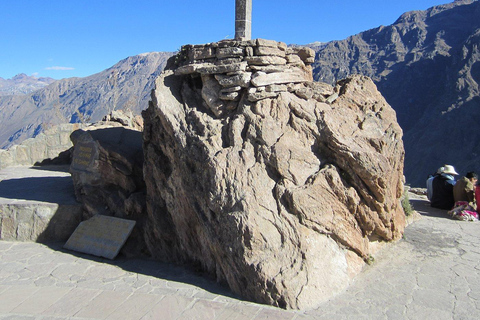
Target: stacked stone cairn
point(258, 68)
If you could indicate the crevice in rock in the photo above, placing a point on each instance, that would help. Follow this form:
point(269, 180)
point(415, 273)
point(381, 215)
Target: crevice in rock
point(163, 160)
point(226, 143)
point(286, 202)
point(192, 96)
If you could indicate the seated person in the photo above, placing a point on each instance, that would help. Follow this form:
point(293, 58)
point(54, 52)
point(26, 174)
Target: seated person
point(442, 189)
point(464, 189)
point(429, 182)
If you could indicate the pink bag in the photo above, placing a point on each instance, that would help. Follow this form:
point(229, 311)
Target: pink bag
point(463, 211)
point(477, 197)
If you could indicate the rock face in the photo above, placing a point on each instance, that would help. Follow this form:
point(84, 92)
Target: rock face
point(427, 66)
point(275, 184)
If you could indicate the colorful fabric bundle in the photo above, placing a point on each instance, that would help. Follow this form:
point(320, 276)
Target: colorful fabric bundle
point(463, 211)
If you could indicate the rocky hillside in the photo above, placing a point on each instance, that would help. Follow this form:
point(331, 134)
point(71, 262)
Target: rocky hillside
point(126, 85)
point(23, 84)
point(427, 66)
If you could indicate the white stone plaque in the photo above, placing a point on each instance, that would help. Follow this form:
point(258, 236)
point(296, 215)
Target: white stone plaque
point(101, 236)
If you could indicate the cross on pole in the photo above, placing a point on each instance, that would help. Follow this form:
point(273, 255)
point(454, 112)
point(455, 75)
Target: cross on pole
point(243, 19)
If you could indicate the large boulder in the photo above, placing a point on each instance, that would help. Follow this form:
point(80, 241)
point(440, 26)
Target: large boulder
point(280, 189)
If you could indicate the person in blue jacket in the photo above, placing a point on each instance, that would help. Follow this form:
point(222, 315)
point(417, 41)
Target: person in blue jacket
point(430, 182)
point(442, 189)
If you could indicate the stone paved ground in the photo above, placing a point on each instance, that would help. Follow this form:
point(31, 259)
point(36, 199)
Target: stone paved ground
point(433, 273)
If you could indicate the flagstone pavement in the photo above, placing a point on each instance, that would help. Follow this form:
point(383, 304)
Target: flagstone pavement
point(432, 273)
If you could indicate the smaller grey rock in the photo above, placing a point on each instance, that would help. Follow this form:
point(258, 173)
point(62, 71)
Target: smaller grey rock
point(230, 52)
point(229, 96)
point(305, 93)
point(276, 88)
point(265, 60)
point(269, 51)
point(332, 98)
point(231, 89)
point(257, 96)
point(241, 79)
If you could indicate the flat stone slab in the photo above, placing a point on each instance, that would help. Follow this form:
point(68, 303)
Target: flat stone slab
point(43, 184)
point(37, 204)
point(101, 236)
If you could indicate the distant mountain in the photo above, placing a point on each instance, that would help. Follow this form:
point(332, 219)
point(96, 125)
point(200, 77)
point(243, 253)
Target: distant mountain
point(126, 85)
point(427, 66)
point(22, 84)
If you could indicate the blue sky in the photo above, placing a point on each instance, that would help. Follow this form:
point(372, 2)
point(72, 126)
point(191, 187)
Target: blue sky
point(77, 38)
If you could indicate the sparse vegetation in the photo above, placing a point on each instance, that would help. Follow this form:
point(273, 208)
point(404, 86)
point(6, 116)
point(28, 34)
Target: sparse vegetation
point(369, 260)
point(406, 205)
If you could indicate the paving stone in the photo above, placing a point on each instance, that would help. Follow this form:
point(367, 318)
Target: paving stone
point(41, 300)
point(107, 272)
point(157, 291)
point(17, 317)
point(426, 281)
point(240, 312)
point(204, 310)
point(45, 281)
point(14, 296)
point(435, 299)
point(72, 302)
point(178, 285)
point(103, 305)
point(135, 306)
point(202, 294)
point(3, 288)
point(396, 312)
point(66, 271)
point(276, 314)
point(169, 307)
point(421, 312)
point(5, 246)
point(464, 309)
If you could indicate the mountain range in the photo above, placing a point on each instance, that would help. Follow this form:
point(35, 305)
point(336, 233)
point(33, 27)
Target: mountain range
point(22, 84)
point(426, 64)
point(126, 85)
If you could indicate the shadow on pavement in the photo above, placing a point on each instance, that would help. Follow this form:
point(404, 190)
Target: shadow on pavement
point(423, 207)
point(157, 269)
point(51, 184)
point(58, 168)
point(59, 189)
point(44, 189)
